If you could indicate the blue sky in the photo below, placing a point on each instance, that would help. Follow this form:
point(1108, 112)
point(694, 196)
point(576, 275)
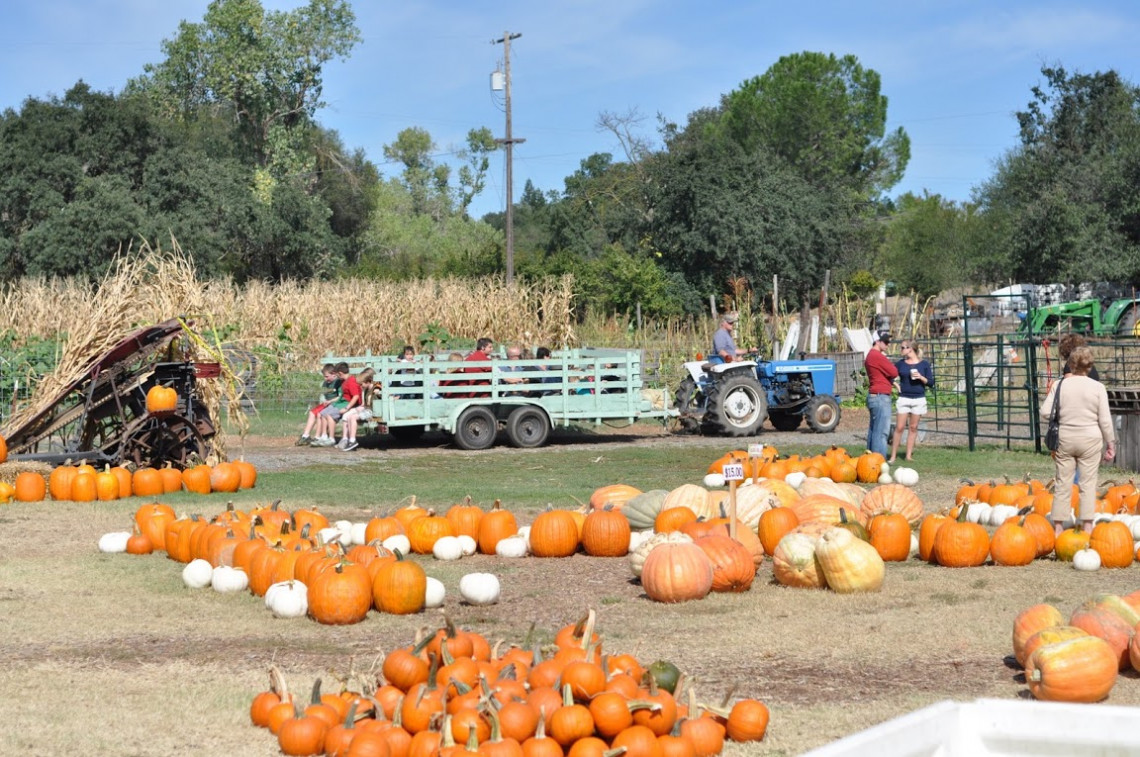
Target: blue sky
point(954, 71)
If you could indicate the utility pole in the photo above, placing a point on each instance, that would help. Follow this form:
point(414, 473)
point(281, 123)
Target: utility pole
point(509, 141)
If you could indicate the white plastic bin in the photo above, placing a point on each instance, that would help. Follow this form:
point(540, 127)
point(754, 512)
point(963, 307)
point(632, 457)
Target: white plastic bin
point(998, 727)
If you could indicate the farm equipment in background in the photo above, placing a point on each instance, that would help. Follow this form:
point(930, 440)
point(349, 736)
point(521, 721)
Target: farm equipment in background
point(1093, 317)
point(102, 417)
point(734, 399)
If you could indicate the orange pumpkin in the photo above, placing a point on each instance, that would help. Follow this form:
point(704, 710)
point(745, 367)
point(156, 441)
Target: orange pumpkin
point(890, 536)
point(106, 485)
point(30, 486)
point(1077, 670)
point(146, 482)
point(84, 487)
point(197, 479)
point(613, 494)
point(161, 400)
point(224, 477)
point(59, 481)
point(171, 479)
point(248, 473)
point(1112, 540)
point(605, 533)
point(554, 533)
point(1030, 621)
point(677, 572)
point(869, 466)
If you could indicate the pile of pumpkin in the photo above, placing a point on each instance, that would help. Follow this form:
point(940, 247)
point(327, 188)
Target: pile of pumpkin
point(834, 463)
point(304, 565)
point(1010, 496)
point(452, 693)
point(958, 539)
point(858, 531)
point(1079, 659)
point(85, 483)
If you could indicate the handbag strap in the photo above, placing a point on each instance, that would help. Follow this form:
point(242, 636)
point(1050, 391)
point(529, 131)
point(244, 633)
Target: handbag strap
point(1056, 417)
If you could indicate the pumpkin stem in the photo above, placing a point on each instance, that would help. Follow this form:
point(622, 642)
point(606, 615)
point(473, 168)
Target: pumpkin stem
point(588, 630)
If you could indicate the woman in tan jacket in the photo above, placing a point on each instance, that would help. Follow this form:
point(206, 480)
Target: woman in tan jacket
point(1086, 436)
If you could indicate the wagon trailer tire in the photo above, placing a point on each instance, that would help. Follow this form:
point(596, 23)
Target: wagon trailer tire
point(737, 406)
point(527, 427)
point(476, 428)
point(823, 413)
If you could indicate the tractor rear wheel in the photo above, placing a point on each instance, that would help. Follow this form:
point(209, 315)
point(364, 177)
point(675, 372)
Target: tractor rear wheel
point(822, 413)
point(784, 421)
point(737, 406)
point(1127, 325)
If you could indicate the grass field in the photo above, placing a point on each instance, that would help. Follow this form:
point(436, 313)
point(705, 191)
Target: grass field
point(112, 655)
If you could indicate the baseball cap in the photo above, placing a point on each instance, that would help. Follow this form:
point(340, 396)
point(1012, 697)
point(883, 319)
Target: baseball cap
point(881, 336)
point(729, 317)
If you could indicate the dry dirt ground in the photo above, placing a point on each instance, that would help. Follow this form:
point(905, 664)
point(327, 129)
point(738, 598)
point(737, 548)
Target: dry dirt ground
point(279, 453)
point(148, 667)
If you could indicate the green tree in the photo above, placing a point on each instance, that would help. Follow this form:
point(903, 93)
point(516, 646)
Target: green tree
point(721, 212)
point(826, 117)
point(425, 180)
point(1063, 205)
point(925, 243)
point(263, 70)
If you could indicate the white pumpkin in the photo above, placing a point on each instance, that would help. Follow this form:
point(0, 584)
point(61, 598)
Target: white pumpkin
point(1101, 518)
point(913, 544)
point(397, 543)
point(978, 512)
point(467, 544)
point(114, 542)
point(1001, 513)
point(1086, 559)
point(885, 477)
point(227, 580)
point(637, 556)
point(447, 548)
point(480, 588)
point(795, 478)
point(713, 480)
point(287, 599)
point(345, 528)
point(197, 573)
point(906, 476)
point(637, 538)
point(435, 594)
point(524, 534)
point(358, 531)
point(330, 534)
point(1135, 529)
point(886, 468)
point(512, 546)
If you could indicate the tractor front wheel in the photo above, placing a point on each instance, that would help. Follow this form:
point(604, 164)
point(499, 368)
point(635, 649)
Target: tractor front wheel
point(822, 413)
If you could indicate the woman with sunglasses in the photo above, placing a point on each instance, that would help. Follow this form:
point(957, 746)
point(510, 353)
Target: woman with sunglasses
point(915, 374)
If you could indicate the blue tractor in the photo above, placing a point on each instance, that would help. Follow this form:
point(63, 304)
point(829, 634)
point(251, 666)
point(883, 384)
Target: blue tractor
point(734, 399)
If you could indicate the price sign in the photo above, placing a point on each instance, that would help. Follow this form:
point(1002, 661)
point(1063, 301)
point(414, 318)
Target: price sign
point(755, 450)
point(733, 472)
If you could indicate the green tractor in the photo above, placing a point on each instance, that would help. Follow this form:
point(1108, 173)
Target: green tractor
point(1118, 318)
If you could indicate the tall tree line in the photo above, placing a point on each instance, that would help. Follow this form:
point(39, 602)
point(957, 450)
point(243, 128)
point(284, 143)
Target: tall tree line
point(219, 145)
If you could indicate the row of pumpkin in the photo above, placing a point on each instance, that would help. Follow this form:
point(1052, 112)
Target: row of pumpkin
point(450, 693)
point(1079, 658)
point(85, 483)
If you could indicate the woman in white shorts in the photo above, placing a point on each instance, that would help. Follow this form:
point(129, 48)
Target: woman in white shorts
point(915, 374)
